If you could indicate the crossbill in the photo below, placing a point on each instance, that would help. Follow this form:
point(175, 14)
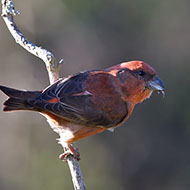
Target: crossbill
point(89, 102)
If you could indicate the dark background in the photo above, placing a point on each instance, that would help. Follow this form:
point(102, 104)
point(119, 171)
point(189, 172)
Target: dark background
point(151, 150)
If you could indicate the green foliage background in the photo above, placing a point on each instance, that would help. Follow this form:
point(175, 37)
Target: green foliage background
point(151, 150)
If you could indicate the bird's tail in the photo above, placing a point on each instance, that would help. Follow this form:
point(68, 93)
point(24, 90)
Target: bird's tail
point(17, 98)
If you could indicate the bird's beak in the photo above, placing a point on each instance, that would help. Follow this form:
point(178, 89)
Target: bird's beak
point(156, 85)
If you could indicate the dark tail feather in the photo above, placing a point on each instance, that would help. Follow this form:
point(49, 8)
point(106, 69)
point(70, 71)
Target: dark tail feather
point(17, 98)
point(19, 93)
point(15, 104)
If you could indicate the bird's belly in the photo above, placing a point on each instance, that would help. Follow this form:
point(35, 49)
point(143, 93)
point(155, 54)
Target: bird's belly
point(70, 132)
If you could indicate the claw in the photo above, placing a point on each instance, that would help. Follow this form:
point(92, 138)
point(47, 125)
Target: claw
point(70, 151)
point(64, 156)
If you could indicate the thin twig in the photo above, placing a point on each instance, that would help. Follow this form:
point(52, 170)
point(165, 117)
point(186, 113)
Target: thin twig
point(52, 66)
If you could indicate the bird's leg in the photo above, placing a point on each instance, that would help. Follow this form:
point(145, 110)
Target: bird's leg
point(70, 150)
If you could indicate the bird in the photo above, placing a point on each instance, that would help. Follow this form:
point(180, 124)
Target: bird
point(90, 101)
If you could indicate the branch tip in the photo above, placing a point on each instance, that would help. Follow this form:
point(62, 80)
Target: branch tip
point(61, 61)
point(8, 8)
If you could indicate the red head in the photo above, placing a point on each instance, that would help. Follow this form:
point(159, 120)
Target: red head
point(137, 80)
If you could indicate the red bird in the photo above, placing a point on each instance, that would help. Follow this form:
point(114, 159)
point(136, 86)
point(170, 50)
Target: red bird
point(89, 102)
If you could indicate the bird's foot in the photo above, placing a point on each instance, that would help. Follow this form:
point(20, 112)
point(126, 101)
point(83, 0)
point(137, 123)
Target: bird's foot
point(70, 150)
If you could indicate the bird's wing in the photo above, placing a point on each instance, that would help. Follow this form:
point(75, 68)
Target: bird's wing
point(69, 99)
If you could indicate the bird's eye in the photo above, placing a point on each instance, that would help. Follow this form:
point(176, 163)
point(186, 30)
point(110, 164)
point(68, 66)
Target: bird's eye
point(141, 73)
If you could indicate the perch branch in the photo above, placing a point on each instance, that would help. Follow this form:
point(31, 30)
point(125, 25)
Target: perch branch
point(52, 66)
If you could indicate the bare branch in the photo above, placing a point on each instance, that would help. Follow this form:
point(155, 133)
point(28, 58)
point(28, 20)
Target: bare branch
point(77, 178)
point(52, 66)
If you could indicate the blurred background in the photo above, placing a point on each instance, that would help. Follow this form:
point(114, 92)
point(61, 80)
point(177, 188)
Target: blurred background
point(151, 150)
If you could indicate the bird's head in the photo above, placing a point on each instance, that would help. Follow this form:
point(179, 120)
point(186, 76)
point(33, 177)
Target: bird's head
point(137, 80)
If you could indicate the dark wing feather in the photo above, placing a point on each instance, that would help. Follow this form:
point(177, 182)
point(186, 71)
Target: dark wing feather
point(65, 87)
point(76, 108)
